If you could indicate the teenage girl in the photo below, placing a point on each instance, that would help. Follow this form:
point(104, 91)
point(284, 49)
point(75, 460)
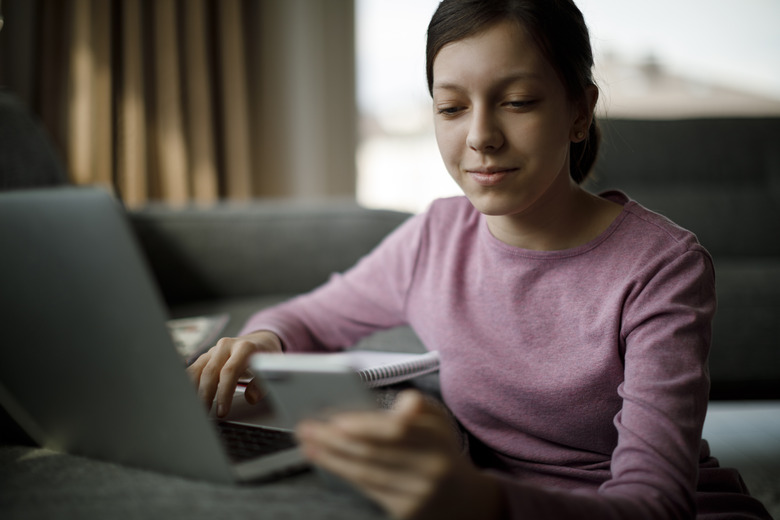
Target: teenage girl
point(573, 328)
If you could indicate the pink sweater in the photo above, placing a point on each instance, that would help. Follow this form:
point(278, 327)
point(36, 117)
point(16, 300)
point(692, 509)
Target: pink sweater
point(583, 371)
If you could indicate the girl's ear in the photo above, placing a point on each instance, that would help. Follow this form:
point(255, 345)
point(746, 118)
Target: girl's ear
point(584, 116)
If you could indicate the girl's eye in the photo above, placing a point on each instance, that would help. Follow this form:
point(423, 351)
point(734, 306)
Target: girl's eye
point(520, 105)
point(449, 111)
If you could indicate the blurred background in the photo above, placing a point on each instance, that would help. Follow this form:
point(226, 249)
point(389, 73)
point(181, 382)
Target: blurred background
point(203, 100)
point(666, 59)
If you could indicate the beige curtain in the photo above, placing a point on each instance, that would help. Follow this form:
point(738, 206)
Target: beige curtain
point(198, 100)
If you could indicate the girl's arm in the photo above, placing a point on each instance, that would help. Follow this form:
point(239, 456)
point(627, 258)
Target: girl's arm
point(370, 297)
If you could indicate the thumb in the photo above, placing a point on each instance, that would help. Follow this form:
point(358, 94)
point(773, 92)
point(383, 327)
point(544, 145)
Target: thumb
point(253, 393)
point(409, 403)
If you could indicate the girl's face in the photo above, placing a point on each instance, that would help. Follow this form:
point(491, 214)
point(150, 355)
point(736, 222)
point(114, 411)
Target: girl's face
point(503, 120)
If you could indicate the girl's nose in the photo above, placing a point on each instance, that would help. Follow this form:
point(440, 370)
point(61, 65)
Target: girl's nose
point(485, 134)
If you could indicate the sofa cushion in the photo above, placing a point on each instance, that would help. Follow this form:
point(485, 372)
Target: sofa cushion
point(265, 247)
point(40, 484)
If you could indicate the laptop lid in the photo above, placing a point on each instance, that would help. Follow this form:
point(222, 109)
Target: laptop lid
point(88, 366)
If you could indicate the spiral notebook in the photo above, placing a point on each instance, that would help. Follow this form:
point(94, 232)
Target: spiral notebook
point(387, 368)
point(375, 368)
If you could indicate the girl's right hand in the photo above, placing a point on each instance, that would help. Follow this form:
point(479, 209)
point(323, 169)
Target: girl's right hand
point(217, 371)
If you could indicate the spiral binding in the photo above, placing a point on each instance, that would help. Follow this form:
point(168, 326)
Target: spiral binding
point(396, 372)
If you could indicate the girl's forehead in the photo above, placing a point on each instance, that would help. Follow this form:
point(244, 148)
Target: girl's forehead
point(500, 52)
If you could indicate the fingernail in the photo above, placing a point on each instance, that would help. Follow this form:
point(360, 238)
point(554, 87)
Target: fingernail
point(220, 410)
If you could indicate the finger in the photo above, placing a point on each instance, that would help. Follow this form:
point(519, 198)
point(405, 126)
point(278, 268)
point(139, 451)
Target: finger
point(234, 367)
point(253, 392)
point(410, 409)
point(195, 369)
point(410, 430)
point(386, 471)
point(413, 402)
point(209, 377)
point(318, 436)
point(416, 406)
point(410, 402)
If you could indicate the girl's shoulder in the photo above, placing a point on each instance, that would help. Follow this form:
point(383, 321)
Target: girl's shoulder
point(650, 241)
point(652, 225)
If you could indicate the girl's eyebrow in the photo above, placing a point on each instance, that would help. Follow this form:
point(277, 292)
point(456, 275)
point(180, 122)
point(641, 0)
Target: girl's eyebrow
point(501, 82)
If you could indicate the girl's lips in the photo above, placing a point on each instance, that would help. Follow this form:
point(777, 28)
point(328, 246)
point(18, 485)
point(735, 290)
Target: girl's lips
point(489, 178)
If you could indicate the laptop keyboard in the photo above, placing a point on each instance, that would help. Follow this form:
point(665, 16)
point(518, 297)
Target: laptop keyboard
point(248, 442)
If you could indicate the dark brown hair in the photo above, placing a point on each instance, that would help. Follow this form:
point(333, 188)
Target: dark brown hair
point(557, 27)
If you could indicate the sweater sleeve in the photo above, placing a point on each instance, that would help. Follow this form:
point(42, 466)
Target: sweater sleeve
point(371, 296)
point(654, 467)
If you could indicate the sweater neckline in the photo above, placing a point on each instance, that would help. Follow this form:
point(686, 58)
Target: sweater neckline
point(614, 195)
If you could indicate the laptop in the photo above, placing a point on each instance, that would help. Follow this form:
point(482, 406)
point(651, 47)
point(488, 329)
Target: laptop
point(88, 366)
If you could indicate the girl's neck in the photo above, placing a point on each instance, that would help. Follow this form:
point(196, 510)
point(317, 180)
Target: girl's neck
point(562, 219)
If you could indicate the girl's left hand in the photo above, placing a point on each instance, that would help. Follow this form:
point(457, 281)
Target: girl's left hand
point(408, 460)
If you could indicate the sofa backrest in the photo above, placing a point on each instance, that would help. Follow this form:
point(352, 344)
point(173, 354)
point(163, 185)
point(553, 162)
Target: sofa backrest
point(720, 178)
point(259, 248)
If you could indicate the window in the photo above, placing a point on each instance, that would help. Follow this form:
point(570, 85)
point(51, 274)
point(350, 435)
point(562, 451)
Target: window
point(668, 58)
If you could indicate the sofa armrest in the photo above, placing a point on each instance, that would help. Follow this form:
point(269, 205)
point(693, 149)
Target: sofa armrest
point(259, 248)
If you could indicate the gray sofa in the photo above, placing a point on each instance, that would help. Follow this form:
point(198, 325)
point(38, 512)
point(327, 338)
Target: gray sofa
point(719, 178)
